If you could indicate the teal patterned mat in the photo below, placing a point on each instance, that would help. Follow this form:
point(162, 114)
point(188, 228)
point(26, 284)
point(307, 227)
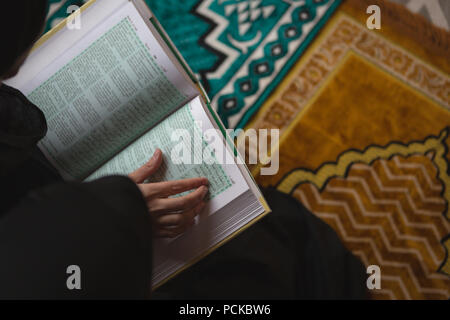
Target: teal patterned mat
point(240, 49)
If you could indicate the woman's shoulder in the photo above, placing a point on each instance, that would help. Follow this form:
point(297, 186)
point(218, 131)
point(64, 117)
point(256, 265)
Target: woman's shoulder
point(21, 122)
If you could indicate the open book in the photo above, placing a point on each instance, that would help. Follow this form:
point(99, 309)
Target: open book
point(116, 89)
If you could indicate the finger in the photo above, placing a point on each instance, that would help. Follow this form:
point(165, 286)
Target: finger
point(144, 172)
point(186, 222)
point(178, 230)
point(165, 234)
point(184, 203)
point(173, 232)
point(180, 219)
point(169, 188)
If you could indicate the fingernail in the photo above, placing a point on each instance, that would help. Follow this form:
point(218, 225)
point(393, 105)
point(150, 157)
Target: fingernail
point(204, 192)
point(201, 207)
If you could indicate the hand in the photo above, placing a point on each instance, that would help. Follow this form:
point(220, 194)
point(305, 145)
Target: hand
point(170, 216)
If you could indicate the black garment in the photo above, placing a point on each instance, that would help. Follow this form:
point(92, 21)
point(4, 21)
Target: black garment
point(23, 167)
point(289, 254)
point(102, 227)
point(47, 225)
point(16, 41)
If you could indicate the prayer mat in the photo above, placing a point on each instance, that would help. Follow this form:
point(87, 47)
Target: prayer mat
point(364, 133)
point(239, 49)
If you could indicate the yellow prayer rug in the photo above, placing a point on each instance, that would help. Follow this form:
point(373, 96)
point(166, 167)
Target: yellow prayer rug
point(365, 128)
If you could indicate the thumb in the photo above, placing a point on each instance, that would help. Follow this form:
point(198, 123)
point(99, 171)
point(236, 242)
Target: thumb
point(144, 172)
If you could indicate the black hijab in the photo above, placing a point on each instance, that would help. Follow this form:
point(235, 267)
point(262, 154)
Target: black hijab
point(21, 23)
point(22, 124)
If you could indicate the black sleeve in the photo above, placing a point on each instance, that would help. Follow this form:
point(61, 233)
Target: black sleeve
point(289, 254)
point(103, 227)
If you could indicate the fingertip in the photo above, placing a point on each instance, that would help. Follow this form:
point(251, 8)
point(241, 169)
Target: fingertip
point(199, 209)
point(191, 223)
point(157, 153)
point(204, 191)
point(157, 157)
point(205, 181)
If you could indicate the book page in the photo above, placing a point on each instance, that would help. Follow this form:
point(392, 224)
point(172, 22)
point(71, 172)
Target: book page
point(226, 181)
point(105, 92)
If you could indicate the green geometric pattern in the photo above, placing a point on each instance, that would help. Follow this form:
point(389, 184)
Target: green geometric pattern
point(240, 49)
